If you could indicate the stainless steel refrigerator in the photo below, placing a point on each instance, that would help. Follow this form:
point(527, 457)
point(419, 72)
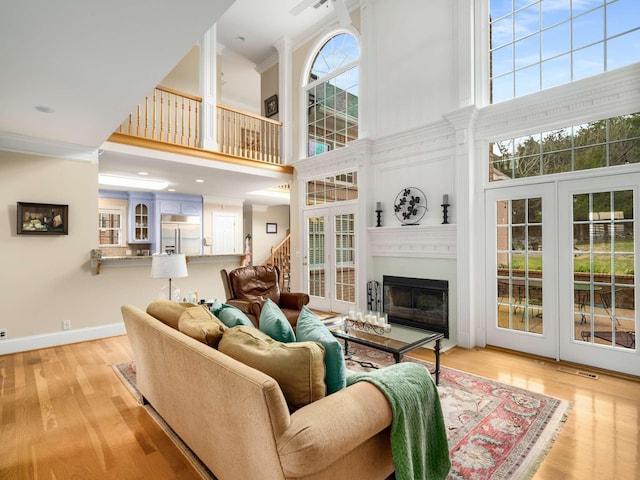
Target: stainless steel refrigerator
point(181, 234)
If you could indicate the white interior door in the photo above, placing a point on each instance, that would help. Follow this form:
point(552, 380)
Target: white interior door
point(598, 259)
point(330, 258)
point(521, 269)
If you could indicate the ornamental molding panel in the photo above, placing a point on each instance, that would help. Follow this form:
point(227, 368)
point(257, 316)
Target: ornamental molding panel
point(413, 241)
point(605, 95)
point(345, 159)
point(427, 139)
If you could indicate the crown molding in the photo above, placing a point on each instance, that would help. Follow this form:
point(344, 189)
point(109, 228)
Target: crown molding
point(594, 98)
point(430, 138)
point(349, 158)
point(47, 148)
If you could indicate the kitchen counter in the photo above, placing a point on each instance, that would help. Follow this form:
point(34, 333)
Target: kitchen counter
point(140, 260)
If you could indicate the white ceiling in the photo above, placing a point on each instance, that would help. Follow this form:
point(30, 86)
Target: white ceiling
point(87, 64)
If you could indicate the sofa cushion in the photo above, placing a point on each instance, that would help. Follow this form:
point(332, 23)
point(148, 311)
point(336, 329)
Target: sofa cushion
point(168, 312)
point(309, 328)
point(199, 323)
point(274, 323)
point(232, 316)
point(297, 367)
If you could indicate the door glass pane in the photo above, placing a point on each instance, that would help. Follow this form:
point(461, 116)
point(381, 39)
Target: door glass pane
point(316, 256)
point(345, 258)
point(604, 269)
point(519, 265)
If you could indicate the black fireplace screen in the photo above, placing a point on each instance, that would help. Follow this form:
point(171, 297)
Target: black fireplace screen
point(417, 302)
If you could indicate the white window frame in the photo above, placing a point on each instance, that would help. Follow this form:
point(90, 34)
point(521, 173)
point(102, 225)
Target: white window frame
point(121, 231)
point(305, 85)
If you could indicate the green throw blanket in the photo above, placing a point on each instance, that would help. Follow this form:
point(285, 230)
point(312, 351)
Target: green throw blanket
point(418, 436)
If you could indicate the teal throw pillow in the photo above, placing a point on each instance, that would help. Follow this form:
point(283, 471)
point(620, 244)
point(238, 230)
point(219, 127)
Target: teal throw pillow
point(310, 329)
point(275, 324)
point(215, 307)
point(232, 316)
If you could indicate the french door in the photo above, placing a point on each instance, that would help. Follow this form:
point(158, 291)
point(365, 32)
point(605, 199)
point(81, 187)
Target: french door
point(521, 269)
point(561, 259)
point(598, 260)
point(330, 258)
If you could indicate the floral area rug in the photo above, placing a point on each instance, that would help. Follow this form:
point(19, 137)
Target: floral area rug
point(495, 431)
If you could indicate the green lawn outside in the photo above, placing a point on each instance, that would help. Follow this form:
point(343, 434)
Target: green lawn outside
point(624, 264)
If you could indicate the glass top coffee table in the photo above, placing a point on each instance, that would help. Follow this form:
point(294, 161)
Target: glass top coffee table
point(398, 341)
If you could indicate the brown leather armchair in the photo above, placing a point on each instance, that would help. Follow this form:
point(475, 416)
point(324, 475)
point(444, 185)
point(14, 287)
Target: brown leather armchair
point(247, 288)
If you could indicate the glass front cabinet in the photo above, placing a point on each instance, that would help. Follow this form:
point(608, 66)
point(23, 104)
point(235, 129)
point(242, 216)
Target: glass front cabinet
point(140, 216)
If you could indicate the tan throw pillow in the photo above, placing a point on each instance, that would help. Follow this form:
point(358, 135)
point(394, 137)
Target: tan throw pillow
point(297, 367)
point(199, 323)
point(168, 312)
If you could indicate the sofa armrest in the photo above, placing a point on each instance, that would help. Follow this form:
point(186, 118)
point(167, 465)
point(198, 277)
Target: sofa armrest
point(322, 432)
point(294, 301)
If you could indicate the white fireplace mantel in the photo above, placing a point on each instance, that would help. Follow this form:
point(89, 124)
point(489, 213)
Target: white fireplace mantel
point(414, 241)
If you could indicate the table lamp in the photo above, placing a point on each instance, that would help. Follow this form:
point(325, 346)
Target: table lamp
point(169, 266)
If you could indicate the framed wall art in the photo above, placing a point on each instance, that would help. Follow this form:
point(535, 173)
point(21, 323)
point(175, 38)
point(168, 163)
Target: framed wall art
point(42, 219)
point(272, 228)
point(271, 106)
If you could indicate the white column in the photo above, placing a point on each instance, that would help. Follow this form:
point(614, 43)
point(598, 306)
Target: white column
point(464, 48)
point(368, 114)
point(470, 300)
point(285, 97)
point(208, 90)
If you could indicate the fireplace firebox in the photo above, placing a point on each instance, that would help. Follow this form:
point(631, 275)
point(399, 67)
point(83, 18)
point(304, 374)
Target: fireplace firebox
point(417, 302)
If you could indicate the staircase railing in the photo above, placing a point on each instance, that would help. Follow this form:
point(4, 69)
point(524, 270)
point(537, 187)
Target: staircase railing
point(281, 257)
point(170, 116)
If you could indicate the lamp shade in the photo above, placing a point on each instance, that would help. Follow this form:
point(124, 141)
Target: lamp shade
point(169, 266)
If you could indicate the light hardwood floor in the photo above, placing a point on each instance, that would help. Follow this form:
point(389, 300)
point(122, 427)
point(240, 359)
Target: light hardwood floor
point(65, 415)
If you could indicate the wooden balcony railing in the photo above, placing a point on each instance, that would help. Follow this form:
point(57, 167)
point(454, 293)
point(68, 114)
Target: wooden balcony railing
point(174, 117)
point(166, 116)
point(249, 136)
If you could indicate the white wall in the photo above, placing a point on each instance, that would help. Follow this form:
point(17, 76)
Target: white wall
point(410, 57)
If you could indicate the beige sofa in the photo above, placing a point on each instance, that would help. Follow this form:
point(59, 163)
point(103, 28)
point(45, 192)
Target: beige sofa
point(237, 421)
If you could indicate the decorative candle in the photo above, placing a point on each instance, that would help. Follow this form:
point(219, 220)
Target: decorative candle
point(378, 206)
point(445, 199)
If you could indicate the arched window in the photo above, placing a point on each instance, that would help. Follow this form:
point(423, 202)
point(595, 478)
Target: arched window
point(332, 95)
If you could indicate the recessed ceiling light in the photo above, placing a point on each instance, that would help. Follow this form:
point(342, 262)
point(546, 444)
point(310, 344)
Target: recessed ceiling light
point(240, 38)
point(143, 173)
point(44, 109)
point(171, 190)
point(115, 181)
point(199, 180)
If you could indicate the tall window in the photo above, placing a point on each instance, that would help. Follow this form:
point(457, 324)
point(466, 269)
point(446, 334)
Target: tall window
point(538, 44)
point(332, 95)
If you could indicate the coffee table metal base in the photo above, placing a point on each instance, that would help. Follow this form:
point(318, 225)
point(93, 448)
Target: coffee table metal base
point(398, 341)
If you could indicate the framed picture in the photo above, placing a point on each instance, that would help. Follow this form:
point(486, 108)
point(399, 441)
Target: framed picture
point(272, 228)
point(42, 219)
point(271, 106)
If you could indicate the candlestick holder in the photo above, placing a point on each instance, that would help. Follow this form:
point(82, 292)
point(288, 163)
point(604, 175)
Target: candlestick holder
point(379, 221)
point(445, 219)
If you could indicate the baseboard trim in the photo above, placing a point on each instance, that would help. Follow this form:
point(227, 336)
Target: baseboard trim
point(24, 344)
